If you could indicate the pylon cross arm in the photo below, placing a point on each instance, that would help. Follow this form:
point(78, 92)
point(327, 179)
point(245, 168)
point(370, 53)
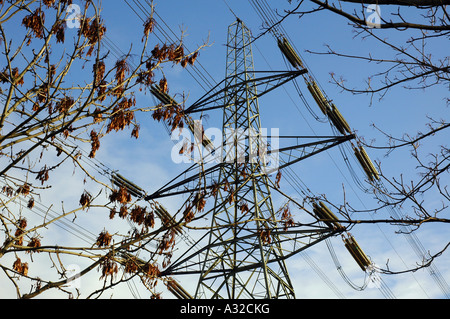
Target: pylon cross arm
point(266, 82)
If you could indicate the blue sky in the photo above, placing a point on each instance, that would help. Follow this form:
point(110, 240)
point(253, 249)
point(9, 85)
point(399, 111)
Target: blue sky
point(147, 161)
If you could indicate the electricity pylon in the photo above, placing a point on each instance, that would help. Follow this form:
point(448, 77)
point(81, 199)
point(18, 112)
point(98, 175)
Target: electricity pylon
point(243, 253)
point(251, 188)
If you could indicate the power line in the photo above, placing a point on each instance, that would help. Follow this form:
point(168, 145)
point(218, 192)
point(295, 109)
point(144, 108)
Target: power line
point(305, 256)
point(267, 15)
point(311, 264)
point(271, 21)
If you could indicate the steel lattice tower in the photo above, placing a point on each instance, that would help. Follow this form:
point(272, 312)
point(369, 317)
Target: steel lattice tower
point(243, 252)
point(241, 131)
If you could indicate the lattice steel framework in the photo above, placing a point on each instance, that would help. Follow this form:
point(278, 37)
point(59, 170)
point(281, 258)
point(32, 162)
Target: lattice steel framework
point(243, 252)
point(225, 255)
